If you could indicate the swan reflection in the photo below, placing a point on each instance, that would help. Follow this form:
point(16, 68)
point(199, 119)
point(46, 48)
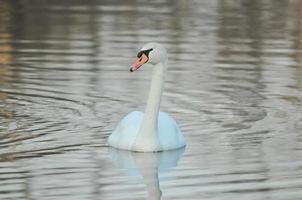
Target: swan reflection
point(148, 166)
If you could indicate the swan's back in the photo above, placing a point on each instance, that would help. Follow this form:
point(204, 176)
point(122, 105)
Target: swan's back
point(126, 132)
point(170, 136)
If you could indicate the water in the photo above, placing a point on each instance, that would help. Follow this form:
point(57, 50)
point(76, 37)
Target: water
point(234, 86)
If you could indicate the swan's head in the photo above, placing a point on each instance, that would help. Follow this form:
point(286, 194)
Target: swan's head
point(152, 53)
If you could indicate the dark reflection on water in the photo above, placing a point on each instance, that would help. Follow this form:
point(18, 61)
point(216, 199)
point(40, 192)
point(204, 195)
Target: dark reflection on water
point(234, 86)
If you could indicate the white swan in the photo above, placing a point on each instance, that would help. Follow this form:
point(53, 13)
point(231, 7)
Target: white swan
point(153, 130)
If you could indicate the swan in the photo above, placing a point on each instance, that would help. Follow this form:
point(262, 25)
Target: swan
point(151, 131)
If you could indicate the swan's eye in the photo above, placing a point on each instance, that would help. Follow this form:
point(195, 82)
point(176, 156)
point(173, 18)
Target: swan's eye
point(146, 52)
point(140, 54)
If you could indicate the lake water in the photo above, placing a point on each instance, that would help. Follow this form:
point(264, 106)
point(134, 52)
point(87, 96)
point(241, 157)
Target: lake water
point(234, 86)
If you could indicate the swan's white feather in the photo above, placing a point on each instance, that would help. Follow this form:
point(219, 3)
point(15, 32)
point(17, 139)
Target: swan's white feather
point(153, 130)
point(124, 136)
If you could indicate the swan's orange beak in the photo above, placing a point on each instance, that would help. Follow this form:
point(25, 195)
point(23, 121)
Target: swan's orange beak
point(139, 62)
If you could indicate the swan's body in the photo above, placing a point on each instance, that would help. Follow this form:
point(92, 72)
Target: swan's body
point(168, 134)
point(153, 130)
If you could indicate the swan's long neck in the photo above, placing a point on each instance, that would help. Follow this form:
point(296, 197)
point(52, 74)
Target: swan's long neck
point(148, 136)
point(153, 103)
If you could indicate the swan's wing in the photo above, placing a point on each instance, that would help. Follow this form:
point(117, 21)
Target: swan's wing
point(170, 135)
point(126, 131)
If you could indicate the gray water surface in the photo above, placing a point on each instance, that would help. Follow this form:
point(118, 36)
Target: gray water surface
point(234, 86)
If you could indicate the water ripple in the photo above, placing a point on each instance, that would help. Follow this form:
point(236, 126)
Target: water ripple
point(234, 87)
